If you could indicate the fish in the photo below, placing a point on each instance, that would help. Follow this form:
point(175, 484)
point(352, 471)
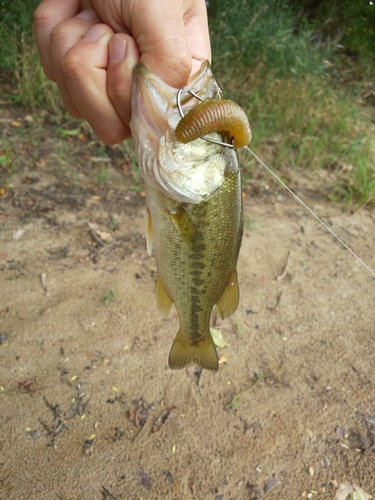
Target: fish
point(194, 211)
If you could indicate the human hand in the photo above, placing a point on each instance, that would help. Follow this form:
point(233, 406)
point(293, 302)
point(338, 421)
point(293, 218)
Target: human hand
point(89, 48)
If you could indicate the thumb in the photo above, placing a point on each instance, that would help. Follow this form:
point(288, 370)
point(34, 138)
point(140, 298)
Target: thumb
point(159, 30)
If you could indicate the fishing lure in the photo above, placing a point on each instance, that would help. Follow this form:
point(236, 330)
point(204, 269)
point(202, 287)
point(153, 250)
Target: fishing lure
point(215, 115)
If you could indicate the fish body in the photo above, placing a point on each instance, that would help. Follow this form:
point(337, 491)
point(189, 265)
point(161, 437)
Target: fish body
point(194, 213)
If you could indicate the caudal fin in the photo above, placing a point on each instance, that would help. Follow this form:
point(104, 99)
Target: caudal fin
point(184, 353)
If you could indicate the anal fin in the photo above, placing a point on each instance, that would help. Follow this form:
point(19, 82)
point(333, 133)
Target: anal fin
point(163, 301)
point(228, 302)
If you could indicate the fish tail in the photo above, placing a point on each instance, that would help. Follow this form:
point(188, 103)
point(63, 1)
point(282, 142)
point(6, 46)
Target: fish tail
point(184, 352)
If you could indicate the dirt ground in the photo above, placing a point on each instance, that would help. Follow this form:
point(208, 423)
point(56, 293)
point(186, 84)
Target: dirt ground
point(88, 406)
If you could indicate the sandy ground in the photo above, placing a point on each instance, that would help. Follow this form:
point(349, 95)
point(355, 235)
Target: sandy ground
point(88, 406)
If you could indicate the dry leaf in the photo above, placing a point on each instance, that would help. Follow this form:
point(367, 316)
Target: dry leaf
point(349, 491)
point(217, 337)
point(41, 163)
point(103, 235)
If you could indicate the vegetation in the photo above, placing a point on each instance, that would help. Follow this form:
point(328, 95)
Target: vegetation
point(110, 295)
point(302, 70)
point(19, 56)
point(353, 22)
point(303, 93)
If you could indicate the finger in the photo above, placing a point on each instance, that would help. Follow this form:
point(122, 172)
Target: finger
point(64, 37)
point(162, 40)
point(196, 25)
point(49, 14)
point(84, 69)
point(123, 57)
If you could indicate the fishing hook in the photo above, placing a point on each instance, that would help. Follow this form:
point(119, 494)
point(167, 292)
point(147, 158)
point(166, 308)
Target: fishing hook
point(225, 144)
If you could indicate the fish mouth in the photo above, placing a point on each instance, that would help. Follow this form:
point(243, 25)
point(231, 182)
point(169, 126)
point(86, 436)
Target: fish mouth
point(157, 99)
point(185, 172)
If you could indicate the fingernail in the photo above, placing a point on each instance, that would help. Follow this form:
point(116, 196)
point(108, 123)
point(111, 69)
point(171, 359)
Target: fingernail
point(87, 15)
point(117, 48)
point(94, 33)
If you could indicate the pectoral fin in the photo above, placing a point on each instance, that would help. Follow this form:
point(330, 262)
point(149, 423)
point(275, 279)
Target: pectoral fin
point(163, 300)
point(183, 352)
point(183, 223)
point(149, 233)
point(228, 302)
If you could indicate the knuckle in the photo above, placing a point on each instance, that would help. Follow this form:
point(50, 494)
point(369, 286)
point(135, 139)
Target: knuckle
point(41, 18)
point(60, 33)
point(72, 65)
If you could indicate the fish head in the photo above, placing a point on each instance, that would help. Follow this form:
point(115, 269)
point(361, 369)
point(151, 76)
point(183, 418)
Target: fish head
point(185, 172)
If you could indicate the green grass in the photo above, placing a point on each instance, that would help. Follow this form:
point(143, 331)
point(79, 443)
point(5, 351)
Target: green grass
point(18, 55)
point(103, 176)
point(110, 295)
point(249, 34)
point(15, 23)
point(291, 86)
point(33, 89)
point(8, 164)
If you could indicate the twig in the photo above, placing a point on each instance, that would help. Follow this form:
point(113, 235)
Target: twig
point(282, 275)
point(96, 238)
point(43, 282)
point(107, 493)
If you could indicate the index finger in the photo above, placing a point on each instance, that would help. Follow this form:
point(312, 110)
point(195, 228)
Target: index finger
point(47, 15)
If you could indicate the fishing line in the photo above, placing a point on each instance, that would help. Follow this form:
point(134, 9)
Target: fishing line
point(178, 99)
point(309, 210)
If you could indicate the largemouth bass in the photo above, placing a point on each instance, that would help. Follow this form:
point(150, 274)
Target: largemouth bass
point(194, 212)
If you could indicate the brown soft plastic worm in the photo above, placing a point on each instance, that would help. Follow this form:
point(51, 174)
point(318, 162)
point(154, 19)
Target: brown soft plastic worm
point(215, 115)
